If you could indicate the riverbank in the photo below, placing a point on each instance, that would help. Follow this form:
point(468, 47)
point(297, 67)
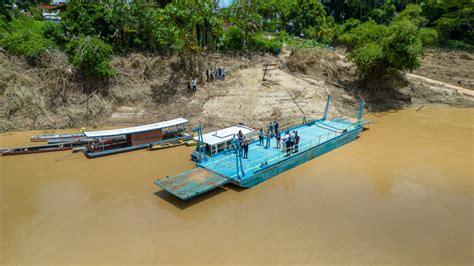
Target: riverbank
point(399, 194)
point(147, 89)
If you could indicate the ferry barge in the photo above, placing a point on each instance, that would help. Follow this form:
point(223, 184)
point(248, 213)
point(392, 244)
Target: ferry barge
point(227, 165)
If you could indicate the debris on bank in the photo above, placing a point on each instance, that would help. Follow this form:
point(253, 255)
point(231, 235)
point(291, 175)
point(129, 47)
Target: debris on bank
point(52, 95)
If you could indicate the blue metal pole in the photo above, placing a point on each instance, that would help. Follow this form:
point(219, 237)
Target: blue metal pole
point(241, 166)
point(237, 163)
point(237, 156)
point(361, 107)
point(200, 141)
point(327, 108)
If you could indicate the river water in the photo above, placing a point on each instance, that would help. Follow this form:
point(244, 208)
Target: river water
point(401, 193)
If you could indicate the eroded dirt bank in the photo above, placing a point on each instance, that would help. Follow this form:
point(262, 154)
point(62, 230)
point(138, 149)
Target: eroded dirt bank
point(148, 89)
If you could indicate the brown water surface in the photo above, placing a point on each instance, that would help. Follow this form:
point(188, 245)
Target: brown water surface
point(402, 193)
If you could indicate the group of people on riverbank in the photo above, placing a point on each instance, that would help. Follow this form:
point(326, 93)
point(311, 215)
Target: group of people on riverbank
point(211, 76)
point(192, 86)
point(215, 74)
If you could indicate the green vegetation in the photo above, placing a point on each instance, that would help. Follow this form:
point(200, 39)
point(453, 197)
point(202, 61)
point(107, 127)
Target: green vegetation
point(91, 55)
point(378, 49)
point(383, 35)
point(25, 36)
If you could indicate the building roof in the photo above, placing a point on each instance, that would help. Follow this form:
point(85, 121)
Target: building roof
point(44, 6)
point(224, 135)
point(131, 130)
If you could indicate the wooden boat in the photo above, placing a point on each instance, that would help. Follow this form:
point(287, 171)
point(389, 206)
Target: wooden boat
point(216, 166)
point(191, 143)
point(82, 140)
point(134, 138)
point(37, 149)
point(40, 138)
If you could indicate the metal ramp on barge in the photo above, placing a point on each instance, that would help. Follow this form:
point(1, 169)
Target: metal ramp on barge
point(191, 183)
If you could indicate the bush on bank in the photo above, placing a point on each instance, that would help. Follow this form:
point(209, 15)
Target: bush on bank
point(91, 55)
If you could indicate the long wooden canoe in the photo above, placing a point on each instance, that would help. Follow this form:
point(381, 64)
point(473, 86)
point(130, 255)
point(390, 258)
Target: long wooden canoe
point(37, 149)
point(40, 138)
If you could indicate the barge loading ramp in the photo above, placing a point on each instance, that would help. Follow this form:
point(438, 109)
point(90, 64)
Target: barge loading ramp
point(191, 183)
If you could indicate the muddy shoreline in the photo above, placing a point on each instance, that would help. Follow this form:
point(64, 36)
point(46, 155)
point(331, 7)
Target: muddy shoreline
point(147, 89)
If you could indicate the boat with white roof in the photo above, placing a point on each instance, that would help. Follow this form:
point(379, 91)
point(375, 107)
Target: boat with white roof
point(120, 140)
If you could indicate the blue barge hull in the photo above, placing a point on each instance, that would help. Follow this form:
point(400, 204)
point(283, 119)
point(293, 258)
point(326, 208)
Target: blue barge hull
point(269, 171)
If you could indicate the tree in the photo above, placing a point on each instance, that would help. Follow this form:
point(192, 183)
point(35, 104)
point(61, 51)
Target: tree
point(246, 17)
point(379, 49)
point(306, 14)
point(91, 56)
point(25, 36)
point(84, 17)
point(454, 19)
point(4, 12)
point(383, 14)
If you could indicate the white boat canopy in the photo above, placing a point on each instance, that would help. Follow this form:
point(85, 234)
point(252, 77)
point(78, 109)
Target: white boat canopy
point(131, 130)
point(224, 135)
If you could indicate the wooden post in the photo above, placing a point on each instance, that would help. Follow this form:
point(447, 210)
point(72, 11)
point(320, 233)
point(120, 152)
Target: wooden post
point(264, 71)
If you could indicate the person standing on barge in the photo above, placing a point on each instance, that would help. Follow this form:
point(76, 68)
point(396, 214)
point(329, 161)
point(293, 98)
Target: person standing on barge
point(278, 139)
point(297, 142)
point(260, 137)
point(245, 146)
point(267, 139)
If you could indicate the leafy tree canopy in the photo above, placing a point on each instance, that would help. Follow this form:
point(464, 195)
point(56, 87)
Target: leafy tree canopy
point(378, 49)
point(91, 55)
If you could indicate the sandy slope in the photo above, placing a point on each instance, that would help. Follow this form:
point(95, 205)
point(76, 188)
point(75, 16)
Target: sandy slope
point(245, 98)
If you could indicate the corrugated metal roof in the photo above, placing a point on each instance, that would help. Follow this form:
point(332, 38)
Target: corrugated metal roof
point(44, 6)
point(131, 130)
point(224, 135)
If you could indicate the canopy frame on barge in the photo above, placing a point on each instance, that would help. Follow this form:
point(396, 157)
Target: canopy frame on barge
point(217, 141)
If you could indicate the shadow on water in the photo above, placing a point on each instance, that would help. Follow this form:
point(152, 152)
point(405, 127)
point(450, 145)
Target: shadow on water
point(235, 188)
point(184, 204)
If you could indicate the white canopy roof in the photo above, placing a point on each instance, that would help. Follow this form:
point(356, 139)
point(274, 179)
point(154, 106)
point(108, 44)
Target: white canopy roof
point(224, 135)
point(131, 130)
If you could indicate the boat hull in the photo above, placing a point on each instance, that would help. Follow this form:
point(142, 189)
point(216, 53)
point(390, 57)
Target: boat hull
point(297, 159)
point(36, 149)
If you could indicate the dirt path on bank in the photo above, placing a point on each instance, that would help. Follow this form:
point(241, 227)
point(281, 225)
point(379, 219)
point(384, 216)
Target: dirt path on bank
point(452, 67)
point(460, 90)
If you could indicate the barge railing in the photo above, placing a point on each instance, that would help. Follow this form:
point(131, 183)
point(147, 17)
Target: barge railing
point(312, 143)
point(253, 136)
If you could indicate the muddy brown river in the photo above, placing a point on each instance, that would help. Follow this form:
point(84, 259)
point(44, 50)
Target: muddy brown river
point(402, 193)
